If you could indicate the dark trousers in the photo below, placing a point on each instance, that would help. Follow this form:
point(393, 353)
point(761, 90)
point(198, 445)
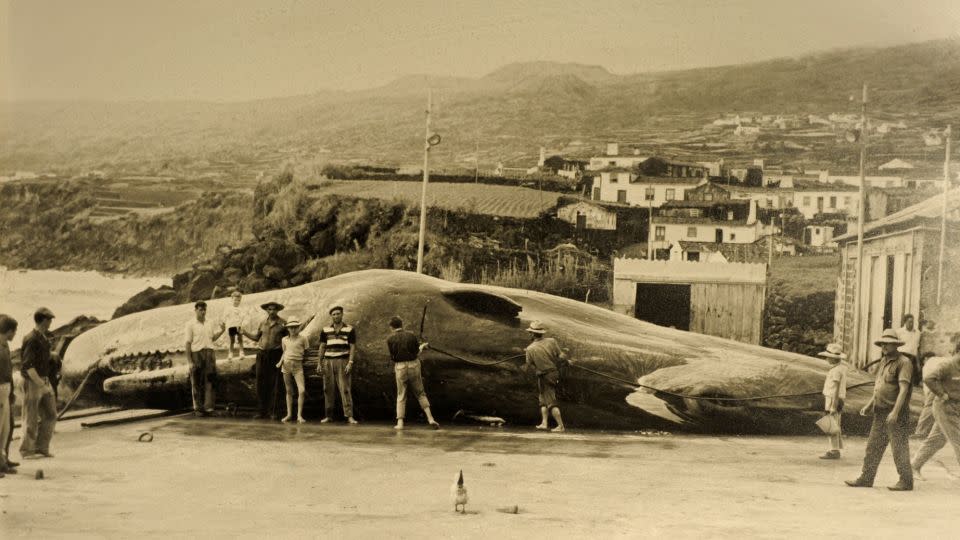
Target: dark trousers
point(898, 436)
point(268, 381)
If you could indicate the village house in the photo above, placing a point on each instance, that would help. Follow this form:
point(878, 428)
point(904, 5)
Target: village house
point(819, 236)
point(723, 221)
point(825, 177)
point(587, 214)
point(903, 272)
point(813, 198)
point(652, 182)
point(613, 159)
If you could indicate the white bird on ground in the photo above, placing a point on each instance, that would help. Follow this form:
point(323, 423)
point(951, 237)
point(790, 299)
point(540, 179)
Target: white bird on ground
point(458, 492)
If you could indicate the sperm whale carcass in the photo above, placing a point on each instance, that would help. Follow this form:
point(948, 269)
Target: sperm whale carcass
point(477, 335)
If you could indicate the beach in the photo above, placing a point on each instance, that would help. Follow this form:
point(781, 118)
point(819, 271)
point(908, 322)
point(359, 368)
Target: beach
point(231, 477)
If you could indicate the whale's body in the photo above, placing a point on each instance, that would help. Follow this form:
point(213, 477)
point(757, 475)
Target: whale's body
point(142, 357)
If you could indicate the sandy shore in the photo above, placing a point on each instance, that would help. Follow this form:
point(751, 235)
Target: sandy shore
point(231, 478)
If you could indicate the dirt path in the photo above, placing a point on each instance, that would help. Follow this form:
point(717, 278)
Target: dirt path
point(229, 478)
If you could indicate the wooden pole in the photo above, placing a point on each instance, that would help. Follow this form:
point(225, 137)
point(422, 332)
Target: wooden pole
point(649, 230)
point(943, 220)
point(426, 179)
point(861, 210)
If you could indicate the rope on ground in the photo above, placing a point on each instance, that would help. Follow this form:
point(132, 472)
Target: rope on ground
point(647, 387)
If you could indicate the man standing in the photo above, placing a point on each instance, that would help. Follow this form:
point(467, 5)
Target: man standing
point(544, 354)
point(943, 382)
point(891, 415)
point(910, 337)
point(8, 328)
point(39, 404)
point(200, 335)
point(405, 352)
point(269, 338)
point(337, 350)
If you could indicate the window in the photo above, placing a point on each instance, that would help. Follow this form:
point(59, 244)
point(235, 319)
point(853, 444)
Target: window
point(769, 203)
point(622, 195)
point(671, 194)
point(708, 196)
point(648, 194)
point(846, 201)
point(660, 233)
point(833, 202)
point(789, 203)
point(613, 178)
point(733, 236)
point(596, 194)
point(729, 215)
point(613, 163)
point(691, 232)
point(806, 201)
point(693, 256)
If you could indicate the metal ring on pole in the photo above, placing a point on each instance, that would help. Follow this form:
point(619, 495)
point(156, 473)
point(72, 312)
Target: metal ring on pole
point(433, 140)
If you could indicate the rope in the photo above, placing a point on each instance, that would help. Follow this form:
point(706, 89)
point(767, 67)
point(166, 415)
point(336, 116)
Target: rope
point(651, 388)
point(76, 394)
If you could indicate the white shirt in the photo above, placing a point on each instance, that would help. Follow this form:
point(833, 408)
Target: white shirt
point(910, 339)
point(234, 317)
point(836, 377)
point(199, 334)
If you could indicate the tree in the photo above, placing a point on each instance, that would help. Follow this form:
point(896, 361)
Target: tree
point(754, 177)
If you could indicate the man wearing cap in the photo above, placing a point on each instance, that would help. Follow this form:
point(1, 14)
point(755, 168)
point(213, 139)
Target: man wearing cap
point(891, 415)
point(269, 334)
point(200, 334)
point(337, 350)
point(543, 354)
point(943, 381)
point(39, 403)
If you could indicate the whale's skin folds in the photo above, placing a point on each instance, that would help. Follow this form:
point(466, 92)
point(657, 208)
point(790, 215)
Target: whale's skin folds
point(142, 356)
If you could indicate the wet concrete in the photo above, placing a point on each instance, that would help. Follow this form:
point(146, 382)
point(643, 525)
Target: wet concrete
point(229, 477)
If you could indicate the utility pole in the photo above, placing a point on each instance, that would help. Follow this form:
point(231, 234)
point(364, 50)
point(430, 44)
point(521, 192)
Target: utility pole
point(649, 230)
point(861, 210)
point(426, 179)
point(943, 222)
point(476, 162)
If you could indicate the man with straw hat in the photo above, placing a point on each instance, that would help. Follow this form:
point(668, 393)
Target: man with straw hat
point(268, 337)
point(543, 354)
point(891, 415)
point(834, 392)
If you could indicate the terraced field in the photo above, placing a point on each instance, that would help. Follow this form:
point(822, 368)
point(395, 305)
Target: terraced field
point(505, 201)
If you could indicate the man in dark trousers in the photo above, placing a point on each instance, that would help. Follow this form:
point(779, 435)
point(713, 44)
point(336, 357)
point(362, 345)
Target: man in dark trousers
point(338, 345)
point(891, 415)
point(405, 350)
point(39, 403)
point(268, 337)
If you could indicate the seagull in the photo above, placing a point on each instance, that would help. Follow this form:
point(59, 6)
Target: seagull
point(458, 492)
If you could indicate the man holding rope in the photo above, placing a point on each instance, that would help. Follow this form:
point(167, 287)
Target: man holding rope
point(543, 354)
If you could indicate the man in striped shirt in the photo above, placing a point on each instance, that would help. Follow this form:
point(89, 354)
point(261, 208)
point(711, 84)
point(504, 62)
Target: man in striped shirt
point(337, 349)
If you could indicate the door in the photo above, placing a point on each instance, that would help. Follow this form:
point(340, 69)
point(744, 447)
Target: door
point(719, 236)
point(596, 194)
point(581, 221)
point(664, 304)
point(622, 195)
point(888, 294)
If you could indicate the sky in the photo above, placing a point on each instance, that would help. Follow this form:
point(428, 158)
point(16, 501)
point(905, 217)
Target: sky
point(231, 50)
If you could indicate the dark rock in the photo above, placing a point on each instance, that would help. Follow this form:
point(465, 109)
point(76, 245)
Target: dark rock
point(147, 299)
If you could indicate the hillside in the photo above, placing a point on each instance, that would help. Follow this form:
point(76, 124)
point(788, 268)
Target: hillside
point(508, 113)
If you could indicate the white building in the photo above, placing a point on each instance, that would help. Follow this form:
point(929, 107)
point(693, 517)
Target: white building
point(818, 236)
point(613, 158)
point(813, 198)
point(627, 186)
point(854, 180)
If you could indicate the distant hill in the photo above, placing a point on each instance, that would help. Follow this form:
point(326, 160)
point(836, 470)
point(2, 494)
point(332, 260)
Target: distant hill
point(509, 113)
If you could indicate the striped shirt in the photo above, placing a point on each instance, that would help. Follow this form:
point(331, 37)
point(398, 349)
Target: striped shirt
point(337, 341)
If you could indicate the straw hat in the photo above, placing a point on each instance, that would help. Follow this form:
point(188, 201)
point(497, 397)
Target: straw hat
point(834, 350)
point(889, 336)
point(277, 305)
point(536, 327)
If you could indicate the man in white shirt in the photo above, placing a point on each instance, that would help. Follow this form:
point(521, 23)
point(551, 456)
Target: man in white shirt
point(910, 337)
point(200, 335)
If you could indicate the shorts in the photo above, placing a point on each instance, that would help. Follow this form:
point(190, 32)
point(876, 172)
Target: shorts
point(547, 385)
point(233, 331)
point(291, 366)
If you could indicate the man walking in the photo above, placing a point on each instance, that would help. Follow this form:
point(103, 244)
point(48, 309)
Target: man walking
point(891, 415)
point(943, 382)
point(337, 352)
point(39, 404)
point(543, 354)
point(269, 338)
point(200, 335)
point(405, 352)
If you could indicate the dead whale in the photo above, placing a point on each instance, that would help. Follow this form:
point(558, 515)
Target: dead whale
point(694, 382)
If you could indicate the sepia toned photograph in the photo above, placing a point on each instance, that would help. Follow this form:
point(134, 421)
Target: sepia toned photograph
point(457, 269)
